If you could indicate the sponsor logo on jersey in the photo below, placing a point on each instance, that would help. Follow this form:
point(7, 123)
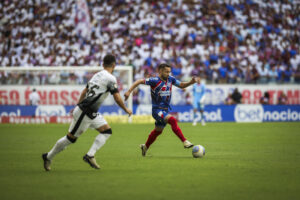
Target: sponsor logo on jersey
point(164, 93)
point(160, 114)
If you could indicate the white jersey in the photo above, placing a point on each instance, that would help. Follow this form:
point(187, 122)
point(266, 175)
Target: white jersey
point(34, 98)
point(98, 89)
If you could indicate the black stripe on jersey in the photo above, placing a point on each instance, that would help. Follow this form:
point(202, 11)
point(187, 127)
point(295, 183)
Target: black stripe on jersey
point(86, 105)
point(77, 123)
point(88, 110)
point(96, 99)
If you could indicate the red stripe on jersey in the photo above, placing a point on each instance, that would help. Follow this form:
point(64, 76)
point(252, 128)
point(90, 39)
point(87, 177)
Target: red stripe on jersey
point(153, 88)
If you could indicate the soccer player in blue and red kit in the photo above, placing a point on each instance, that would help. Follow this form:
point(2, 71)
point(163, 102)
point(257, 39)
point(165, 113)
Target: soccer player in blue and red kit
point(161, 91)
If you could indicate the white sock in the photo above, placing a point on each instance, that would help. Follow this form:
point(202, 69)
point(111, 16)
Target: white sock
point(60, 145)
point(98, 143)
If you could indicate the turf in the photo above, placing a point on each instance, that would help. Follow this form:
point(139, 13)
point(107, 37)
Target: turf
point(243, 161)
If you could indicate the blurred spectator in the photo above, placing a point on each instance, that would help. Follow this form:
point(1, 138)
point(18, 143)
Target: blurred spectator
point(223, 74)
point(240, 77)
point(265, 99)
point(34, 97)
point(229, 100)
point(232, 75)
point(188, 98)
point(254, 75)
point(273, 75)
point(248, 75)
point(135, 95)
point(220, 38)
point(236, 97)
point(297, 75)
point(215, 76)
point(282, 99)
point(287, 74)
point(263, 74)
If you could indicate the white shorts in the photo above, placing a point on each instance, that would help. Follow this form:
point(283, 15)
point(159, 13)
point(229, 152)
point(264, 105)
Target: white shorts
point(82, 122)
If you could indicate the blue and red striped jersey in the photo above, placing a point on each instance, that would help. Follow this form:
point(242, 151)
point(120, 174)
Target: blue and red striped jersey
point(161, 91)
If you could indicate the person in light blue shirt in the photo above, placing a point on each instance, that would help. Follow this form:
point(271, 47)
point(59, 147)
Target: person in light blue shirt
point(199, 98)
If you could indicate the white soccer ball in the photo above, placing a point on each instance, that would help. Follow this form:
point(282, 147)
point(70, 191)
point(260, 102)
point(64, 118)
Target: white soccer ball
point(198, 151)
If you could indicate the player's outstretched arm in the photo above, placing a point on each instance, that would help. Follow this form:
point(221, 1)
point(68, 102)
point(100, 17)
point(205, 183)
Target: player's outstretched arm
point(186, 84)
point(120, 102)
point(134, 85)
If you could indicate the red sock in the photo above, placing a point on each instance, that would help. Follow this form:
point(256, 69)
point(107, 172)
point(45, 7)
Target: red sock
point(152, 137)
point(173, 122)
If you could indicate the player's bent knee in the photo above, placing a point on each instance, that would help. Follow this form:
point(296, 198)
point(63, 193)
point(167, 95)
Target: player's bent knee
point(107, 131)
point(172, 120)
point(73, 140)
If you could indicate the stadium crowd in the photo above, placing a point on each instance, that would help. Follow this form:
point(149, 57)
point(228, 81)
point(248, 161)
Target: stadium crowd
point(227, 41)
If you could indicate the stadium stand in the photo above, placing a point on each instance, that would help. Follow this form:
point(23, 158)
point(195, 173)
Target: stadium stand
point(228, 41)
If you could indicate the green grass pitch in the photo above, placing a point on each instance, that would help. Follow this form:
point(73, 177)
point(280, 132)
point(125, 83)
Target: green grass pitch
point(243, 161)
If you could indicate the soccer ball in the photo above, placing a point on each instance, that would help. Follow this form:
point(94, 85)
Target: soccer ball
point(198, 151)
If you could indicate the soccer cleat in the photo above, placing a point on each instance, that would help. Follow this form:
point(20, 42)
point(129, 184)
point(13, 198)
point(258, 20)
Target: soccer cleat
point(187, 144)
point(144, 149)
point(194, 123)
point(47, 162)
point(92, 161)
point(203, 123)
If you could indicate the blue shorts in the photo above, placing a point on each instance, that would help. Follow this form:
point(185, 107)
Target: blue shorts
point(159, 115)
point(197, 105)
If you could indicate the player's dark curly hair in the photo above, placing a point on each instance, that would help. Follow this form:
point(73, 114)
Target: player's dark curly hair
point(163, 65)
point(108, 60)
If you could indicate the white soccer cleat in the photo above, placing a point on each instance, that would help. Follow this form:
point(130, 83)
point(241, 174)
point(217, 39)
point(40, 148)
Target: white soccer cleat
point(187, 144)
point(92, 161)
point(194, 123)
point(144, 149)
point(203, 123)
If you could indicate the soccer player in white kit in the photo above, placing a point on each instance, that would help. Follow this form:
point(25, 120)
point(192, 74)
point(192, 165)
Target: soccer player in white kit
point(86, 114)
